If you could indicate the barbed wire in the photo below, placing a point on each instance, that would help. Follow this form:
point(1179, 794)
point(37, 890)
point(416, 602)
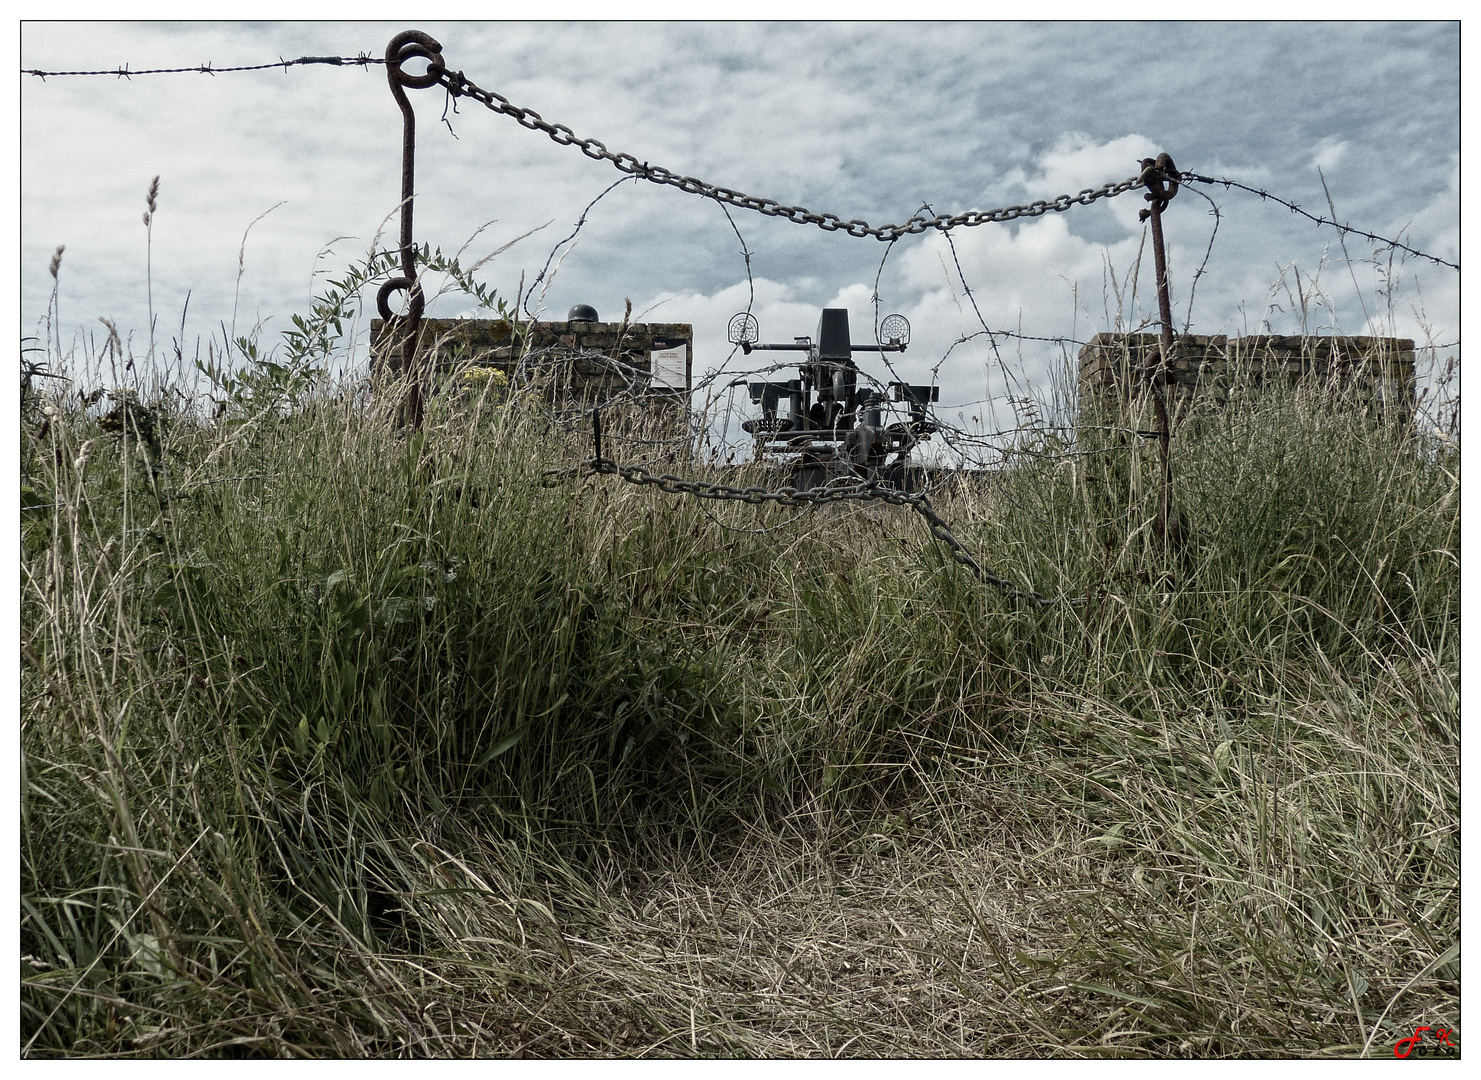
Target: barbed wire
point(575, 231)
point(363, 60)
point(1009, 380)
point(1207, 254)
point(1296, 209)
point(458, 85)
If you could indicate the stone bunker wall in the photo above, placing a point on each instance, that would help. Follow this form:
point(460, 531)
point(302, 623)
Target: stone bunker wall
point(586, 362)
point(1373, 373)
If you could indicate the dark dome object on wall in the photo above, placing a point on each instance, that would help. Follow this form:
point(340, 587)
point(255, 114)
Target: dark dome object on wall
point(582, 313)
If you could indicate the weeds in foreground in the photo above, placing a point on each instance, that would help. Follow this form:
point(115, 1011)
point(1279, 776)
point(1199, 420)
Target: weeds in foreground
point(339, 740)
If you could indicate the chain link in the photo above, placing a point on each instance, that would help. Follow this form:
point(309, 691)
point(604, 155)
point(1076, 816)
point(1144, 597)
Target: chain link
point(758, 496)
point(458, 86)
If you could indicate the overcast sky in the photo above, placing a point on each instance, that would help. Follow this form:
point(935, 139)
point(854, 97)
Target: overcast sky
point(864, 120)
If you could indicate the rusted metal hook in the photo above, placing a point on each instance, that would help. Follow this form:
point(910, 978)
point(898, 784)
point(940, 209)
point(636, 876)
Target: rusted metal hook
point(405, 46)
point(1154, 172)
point(415, 300)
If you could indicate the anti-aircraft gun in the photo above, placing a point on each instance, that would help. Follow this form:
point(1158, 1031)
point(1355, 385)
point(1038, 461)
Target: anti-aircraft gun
point(830, 427)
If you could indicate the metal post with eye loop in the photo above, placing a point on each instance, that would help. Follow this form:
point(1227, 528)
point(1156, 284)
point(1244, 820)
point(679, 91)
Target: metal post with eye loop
point(1155, 173)
point(405, 46)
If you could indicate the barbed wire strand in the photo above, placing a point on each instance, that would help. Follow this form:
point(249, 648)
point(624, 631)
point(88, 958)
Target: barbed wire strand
point(580, 224)
point(1010, 382)
point(1203, 266)
point(1296, 209)
point(707, 383)
point(363, 60)
point(458, 85)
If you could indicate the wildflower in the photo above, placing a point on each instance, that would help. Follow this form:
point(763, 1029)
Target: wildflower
point(480, 380)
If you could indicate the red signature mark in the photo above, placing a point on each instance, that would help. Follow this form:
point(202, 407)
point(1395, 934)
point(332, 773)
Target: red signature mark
point(1404, 1047)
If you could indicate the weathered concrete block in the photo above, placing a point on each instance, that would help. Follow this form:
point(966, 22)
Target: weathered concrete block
point(587, 362)
point(1374, 373)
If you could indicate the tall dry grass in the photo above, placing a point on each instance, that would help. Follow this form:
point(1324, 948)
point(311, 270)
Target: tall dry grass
point(341, 740)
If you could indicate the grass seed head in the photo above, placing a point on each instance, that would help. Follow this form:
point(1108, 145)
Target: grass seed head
point(150, 198)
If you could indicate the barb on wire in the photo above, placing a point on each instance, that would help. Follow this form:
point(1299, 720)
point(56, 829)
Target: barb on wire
point(714, 376)
point(746, 254)
point(1296, 209)
point(990, 332)
point(1203, 266)
point(363, 60)
point(1009, 381)
point(879, 275)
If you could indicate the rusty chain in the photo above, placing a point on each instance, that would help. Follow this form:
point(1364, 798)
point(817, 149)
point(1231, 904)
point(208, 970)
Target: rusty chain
point(458, 85)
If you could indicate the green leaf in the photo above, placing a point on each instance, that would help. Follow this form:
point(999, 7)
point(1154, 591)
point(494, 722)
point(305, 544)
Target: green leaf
point(506, 743)
point(1222, 754)
point(1114, 993)
point(349, 680)
point(33, 502)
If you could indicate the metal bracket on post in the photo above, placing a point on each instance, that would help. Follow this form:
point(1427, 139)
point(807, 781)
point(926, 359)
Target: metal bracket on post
point(405, 46)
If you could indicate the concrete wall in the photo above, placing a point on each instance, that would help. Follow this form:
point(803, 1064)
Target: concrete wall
point(1374, 373)
point(590, 362)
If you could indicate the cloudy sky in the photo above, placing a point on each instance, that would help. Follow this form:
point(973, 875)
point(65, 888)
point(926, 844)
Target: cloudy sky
point(864, 120)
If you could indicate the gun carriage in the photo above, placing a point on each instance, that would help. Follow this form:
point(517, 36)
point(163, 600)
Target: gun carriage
point(822, 423)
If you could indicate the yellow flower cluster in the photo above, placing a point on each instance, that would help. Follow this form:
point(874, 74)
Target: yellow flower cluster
point(478, 380)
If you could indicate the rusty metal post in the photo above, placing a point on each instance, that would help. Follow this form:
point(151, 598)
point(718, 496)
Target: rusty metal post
point(1155, 172)
point(403, 47)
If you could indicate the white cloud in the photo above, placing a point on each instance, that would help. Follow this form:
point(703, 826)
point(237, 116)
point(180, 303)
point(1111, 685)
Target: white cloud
point(1328, 153)
point(1076, 161)
point(864, 120)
